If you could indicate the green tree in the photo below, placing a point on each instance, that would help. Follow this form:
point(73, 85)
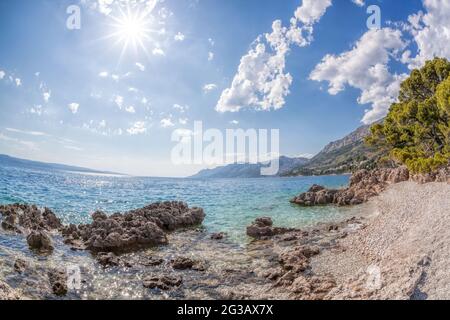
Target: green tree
point(416, 131)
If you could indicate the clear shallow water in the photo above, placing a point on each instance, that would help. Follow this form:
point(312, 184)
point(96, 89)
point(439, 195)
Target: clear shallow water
point(230, 204)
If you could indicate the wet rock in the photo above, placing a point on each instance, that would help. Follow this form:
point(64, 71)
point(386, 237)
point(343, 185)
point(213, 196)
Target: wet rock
point(20, 265)
point(163, 282)
point(263, 227)
point(108, 259)
point(218, 236)
point(58, 281)
point(135, 229)
point(151, 261)
point(29, 217)
point(40, 240)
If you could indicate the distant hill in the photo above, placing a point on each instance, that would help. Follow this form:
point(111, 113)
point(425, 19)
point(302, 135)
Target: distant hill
point(342, 156)
point(249, 170)
point(6, 160)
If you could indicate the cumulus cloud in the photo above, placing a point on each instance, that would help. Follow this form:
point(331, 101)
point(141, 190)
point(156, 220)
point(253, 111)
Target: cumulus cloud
point(18, 82)
point(431, 32)
point(179, 37)
point(209, 87)
point(210, 56)
point(167, 122)
point(360, 3)
point(2, 74)
point(234, 122)
point(73, 107)
point(365, 67)
point(137, 128)
point(140, 66)
point(183, 121)
point(261, 81)
point(36, 110)
point(103, 74)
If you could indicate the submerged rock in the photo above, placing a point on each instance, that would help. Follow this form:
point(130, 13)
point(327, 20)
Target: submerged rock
point(20, 265)
point(218, 236)
point(263, 227)
point(58, 281)
point(163, 282)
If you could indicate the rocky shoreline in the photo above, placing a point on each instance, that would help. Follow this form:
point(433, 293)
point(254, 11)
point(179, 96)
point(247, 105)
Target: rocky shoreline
point(365, 184)
point(161, 252)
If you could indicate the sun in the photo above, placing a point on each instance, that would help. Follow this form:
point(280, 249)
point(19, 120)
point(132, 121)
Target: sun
point(132, 29)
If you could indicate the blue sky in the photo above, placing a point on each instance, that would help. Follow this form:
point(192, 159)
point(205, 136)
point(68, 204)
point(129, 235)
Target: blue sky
point(70, 96)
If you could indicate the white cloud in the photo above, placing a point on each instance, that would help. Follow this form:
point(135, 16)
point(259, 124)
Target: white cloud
point(360, 3)
point(134, 90)
point(118, 100)
point(130, 109)
point(210, 56)
point(180, 108)
point(311, 11)
point(46, 95)
point(18, 82)
point(73, 107)
point(73, 148)
point(158, 52)
point(179, 37)
point(137, 128)
point(183, 121)
point(209, 87)
point(2, 74)
point(103, 74)
point(31, 133)
point(234, 122)
point(211, 42)
point(102, 124)
point(261, 81)
point(365, 67)
point(115, 77)
point(431, 32)
point(140, 66)
point(36, 110)
point(167, 122)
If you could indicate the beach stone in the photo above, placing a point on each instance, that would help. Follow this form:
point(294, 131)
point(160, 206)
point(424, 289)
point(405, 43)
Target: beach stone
point(163, 282)
point(20, 265)
point(40, 240)
point(8, 293)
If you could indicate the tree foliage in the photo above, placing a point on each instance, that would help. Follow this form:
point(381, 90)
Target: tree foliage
point(416, 131)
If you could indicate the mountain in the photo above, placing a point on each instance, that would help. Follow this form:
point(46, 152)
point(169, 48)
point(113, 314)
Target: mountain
point(9, 161)
point(249, 170)
point(342, 156)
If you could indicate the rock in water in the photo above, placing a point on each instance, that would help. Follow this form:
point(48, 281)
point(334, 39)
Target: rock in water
point(263, 227)
point(135, 229)
point(40, 240)
point(58, 281)
point(163, 282)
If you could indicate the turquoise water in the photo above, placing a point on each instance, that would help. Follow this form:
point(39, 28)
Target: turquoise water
point(230, 204)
